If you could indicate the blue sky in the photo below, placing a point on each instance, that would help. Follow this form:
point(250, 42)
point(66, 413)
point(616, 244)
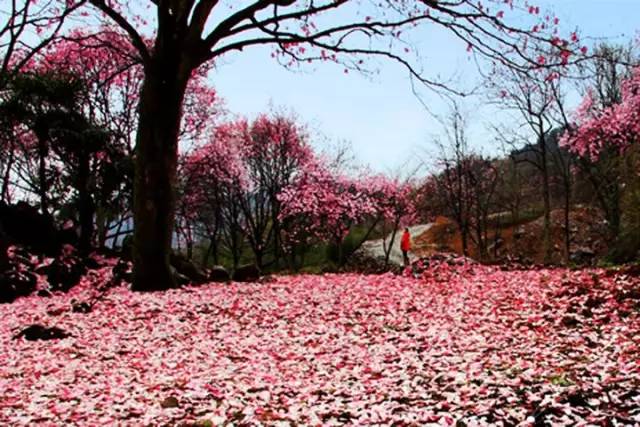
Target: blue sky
point(380, 116)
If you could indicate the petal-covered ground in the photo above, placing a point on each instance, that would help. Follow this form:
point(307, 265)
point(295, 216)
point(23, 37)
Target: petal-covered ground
point(472, 346)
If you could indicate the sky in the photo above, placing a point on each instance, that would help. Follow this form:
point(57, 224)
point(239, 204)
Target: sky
point(382, 119)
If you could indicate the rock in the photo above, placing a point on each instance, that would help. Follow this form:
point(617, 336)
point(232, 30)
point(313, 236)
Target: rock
point(267, 279)
point(91, 263)
point(14, 284)
point(219, 274)
point(80, 307)
point(170, 402)
point(65, 273)
point(121, 272)
point(246, 273)
point(39, 332)
point(44, 293)
point(583, 255)
point(180, 279)
point(188, 269)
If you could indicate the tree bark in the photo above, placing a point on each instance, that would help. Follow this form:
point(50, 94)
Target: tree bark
point(156, 156)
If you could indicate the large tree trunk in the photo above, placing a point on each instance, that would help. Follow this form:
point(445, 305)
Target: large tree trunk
point(156, 156)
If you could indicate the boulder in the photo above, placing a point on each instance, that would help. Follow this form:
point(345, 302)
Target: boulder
point(583, 255)
point(219, 274)
point(121, 272)
point(80, 307)
point(246, 273)
point(15, 283)
point(180, 279)
point(170, 402)
point(92, 263)
point(64, 273)
point(188, 269)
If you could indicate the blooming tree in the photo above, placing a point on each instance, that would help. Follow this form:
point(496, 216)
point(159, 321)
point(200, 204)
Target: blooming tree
point(267, 154)
point(604, 127)
point(275, 151)
point(174, 39)
point(616, 125)
point(213, 179)
point(324, 206)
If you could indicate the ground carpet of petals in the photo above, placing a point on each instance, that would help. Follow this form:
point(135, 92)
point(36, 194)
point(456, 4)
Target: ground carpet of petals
point(465, 345)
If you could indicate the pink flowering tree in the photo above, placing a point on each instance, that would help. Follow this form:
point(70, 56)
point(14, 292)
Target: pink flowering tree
point(213, 180)
point(605, 126)
point(174, 39)
point(270, 153)
point(275, 152)
point(324, 206)
point(616, 126)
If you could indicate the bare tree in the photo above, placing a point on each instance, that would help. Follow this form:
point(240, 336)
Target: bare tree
point(532, 97)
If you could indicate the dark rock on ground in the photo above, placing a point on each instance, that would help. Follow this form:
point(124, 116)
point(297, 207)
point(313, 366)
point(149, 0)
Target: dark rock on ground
point(65, 272)
point(365, 264)
point(583, 256)
point(170, 402)
point(180, 278)
point(188, 269)
point(15, 283)
point(246, 273)
point(219, 274)
point(91, 263)
point(39, 332)
point(80, 307)
point(121, 272)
